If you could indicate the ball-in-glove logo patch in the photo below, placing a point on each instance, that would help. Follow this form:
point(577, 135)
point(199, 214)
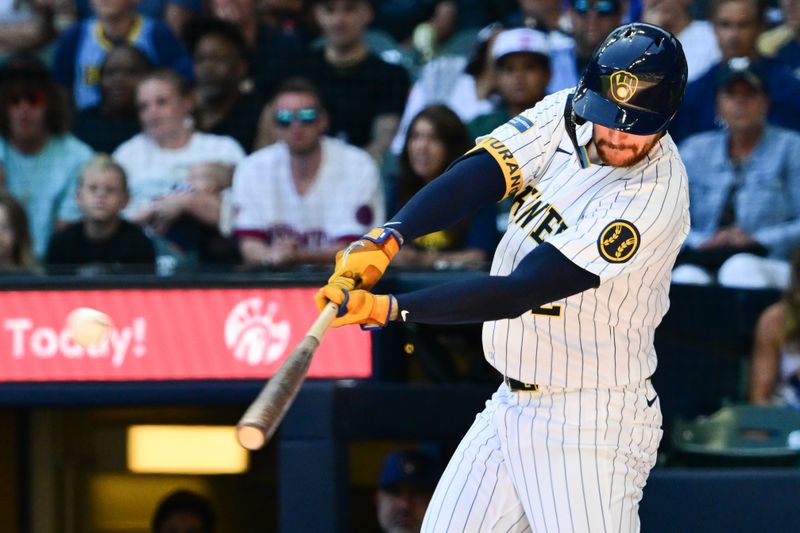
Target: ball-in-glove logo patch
point(618, 241)
point(623, 86)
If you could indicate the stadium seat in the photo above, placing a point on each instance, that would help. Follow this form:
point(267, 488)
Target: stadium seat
point(740, 435)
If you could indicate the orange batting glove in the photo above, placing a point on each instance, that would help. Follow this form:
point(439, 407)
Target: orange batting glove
point(366, 259)
point(372, 311)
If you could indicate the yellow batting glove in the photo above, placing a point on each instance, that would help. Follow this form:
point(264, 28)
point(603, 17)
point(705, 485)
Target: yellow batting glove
point(366, 259)
point(339, 285)
point(371, 311)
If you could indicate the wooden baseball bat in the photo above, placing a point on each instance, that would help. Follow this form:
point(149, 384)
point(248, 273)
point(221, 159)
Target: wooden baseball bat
point(266, 412)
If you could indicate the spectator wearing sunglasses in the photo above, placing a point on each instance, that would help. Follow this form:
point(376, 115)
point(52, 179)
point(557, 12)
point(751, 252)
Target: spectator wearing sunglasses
point(41, 159)
point(592, 21)
point(297, 201)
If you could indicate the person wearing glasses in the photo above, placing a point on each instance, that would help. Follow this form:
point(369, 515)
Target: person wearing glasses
point(297, 200)
point(591, 21)
point(40, 158)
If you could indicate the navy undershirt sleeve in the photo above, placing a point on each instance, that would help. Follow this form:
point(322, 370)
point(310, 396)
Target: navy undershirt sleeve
point(470, 183)
point(543, 276)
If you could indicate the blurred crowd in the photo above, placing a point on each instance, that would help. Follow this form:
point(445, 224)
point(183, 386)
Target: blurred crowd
point(159, 135)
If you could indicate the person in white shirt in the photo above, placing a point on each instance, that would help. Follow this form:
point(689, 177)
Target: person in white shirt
point(297, 201)
point(176, 175)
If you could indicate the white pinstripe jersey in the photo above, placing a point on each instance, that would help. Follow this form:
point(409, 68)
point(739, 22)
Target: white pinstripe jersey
point(625, 225)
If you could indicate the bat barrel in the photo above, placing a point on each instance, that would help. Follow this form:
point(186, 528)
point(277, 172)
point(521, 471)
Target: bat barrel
point(264, 415)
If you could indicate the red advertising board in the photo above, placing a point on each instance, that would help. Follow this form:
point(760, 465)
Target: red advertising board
point(171, 334)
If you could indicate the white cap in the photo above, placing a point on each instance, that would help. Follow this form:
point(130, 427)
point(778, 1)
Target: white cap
point(520, 40)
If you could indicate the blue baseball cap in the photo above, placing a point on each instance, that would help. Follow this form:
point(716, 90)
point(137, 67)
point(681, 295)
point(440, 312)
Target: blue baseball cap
point(414, 467)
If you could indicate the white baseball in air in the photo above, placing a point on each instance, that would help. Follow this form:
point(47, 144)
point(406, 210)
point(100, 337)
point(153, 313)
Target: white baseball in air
point(89, 327)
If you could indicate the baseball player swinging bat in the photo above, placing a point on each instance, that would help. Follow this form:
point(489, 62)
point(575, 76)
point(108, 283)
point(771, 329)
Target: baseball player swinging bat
point(266, 412)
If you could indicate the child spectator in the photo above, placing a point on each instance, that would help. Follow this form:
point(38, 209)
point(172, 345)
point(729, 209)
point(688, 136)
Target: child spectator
point(101, 240)
point(16, 249)
point(81, 49)
point(113, 121)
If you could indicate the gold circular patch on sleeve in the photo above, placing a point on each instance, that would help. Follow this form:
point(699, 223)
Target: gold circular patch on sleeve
point(618, 241)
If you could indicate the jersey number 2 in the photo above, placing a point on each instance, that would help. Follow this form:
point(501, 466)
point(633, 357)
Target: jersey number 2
point(547, 310)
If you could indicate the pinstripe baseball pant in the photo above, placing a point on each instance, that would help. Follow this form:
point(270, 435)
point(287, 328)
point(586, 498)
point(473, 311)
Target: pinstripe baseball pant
point(557, 460)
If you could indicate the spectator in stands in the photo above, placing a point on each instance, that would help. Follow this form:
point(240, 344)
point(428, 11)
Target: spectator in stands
point(184, 511)
point(81, 49)
point(542, 15)
point(783, 42)
point(299, 199)
point(16, 247)
point(177, 175)
point(399, 18)
point(101, 240)
point(25, 25)
point(697, 36)
point(225, 105)
point(775, 366)
point(436, 138)
point(592, 21)
point(113, 120)
point(406, 485)
point(272, 55)
point(545, 16)
point(40, 157)
point(522, 70)
point(432, 37)
point(176, 13)
point(363, 94)
point(744, 187)
point(465, 85)
point(737, 24)
point(289, 17)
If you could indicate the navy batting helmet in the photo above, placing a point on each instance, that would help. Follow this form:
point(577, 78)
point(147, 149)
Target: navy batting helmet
point(634, 81)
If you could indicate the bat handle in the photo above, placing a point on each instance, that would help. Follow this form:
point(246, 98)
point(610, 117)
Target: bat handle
point(323, 321)
point(267, 410)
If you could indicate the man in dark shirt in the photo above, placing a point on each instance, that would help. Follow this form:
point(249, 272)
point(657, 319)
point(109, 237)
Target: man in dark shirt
point(224, 105)
point(101, 240)
point(363, 94)
point(113, 121)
